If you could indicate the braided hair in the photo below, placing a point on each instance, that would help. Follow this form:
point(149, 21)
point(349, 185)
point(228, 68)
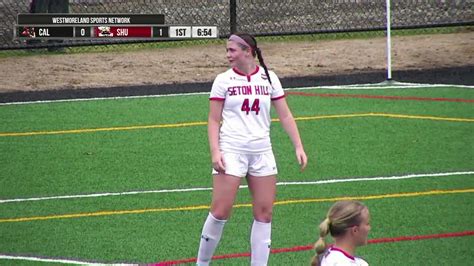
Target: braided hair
point(341, 216)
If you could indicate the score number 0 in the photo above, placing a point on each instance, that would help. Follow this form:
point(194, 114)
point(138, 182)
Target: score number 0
point(82, 32)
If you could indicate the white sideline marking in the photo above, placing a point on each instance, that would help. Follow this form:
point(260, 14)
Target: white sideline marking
point(328, 181)
point(369, 86)
point(64, 261)
point(106, 194)
point(377, 87)
point(331, 181)
point(105, 98)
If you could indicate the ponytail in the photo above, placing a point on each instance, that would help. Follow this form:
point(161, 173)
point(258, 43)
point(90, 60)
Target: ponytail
point(320, 245)
point(341, 215)
point(262, 63)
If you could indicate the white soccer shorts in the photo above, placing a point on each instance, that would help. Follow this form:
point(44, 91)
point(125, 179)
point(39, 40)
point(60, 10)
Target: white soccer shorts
point(240, 165)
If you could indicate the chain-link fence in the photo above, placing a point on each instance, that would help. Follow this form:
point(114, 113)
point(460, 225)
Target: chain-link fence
point(258, 17)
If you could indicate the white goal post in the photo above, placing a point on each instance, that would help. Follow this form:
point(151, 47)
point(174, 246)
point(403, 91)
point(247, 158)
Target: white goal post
point(389, 43)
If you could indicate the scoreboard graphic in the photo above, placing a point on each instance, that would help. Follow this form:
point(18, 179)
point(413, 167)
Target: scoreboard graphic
point(105, 26)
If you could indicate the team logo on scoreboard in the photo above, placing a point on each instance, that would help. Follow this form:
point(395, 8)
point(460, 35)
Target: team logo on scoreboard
point(28, 32)
point(105, 31)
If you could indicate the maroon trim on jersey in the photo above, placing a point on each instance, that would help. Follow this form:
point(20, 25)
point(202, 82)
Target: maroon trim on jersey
point(278, 98)
point(216, 99)
point(238, 72)
point(343, 252)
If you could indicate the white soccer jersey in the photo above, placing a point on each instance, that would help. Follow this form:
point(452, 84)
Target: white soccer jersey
point(246, 115)
point(338, 257)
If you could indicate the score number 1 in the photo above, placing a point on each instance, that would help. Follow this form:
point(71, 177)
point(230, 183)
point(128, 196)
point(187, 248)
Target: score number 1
point(161, 32)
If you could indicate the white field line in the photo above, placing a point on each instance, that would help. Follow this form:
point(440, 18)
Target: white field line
point(62, 261)
point(370, 86)
point(377, 87)
point(106, 98)
point(319, 182)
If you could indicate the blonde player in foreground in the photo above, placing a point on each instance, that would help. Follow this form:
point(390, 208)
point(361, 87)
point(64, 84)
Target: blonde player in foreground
point(348, 222)
point(241, 98)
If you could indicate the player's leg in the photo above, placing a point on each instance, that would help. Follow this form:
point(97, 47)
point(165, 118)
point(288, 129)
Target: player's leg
point(224, 191)
point(262, 185)
point(263, 189)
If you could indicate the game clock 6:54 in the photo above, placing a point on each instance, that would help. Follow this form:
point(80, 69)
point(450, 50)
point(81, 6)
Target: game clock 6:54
point(205, 32)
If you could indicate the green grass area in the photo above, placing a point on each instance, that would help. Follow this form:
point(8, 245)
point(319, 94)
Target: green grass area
point(128, 159)
point(190, 43)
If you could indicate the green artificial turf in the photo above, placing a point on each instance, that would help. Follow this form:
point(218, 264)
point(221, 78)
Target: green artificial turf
point(123, 158)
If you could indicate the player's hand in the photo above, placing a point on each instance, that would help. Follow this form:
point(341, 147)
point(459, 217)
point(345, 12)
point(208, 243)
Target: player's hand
point(218, 162)
point(302, 159)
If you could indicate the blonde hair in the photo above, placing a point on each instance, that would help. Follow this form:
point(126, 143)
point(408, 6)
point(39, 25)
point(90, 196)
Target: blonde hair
point(341, 215)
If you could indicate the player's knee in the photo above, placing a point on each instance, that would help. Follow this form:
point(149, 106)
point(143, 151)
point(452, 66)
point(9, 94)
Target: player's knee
point(221, 210)
point(263, 214)
point(221, 214)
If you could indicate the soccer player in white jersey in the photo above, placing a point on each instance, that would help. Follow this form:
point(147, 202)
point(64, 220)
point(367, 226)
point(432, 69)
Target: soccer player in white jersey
point(348, 222)
point(241, 99)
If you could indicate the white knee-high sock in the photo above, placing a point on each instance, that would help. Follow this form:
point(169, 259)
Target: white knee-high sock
point(211, 234)
point(260, 240)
